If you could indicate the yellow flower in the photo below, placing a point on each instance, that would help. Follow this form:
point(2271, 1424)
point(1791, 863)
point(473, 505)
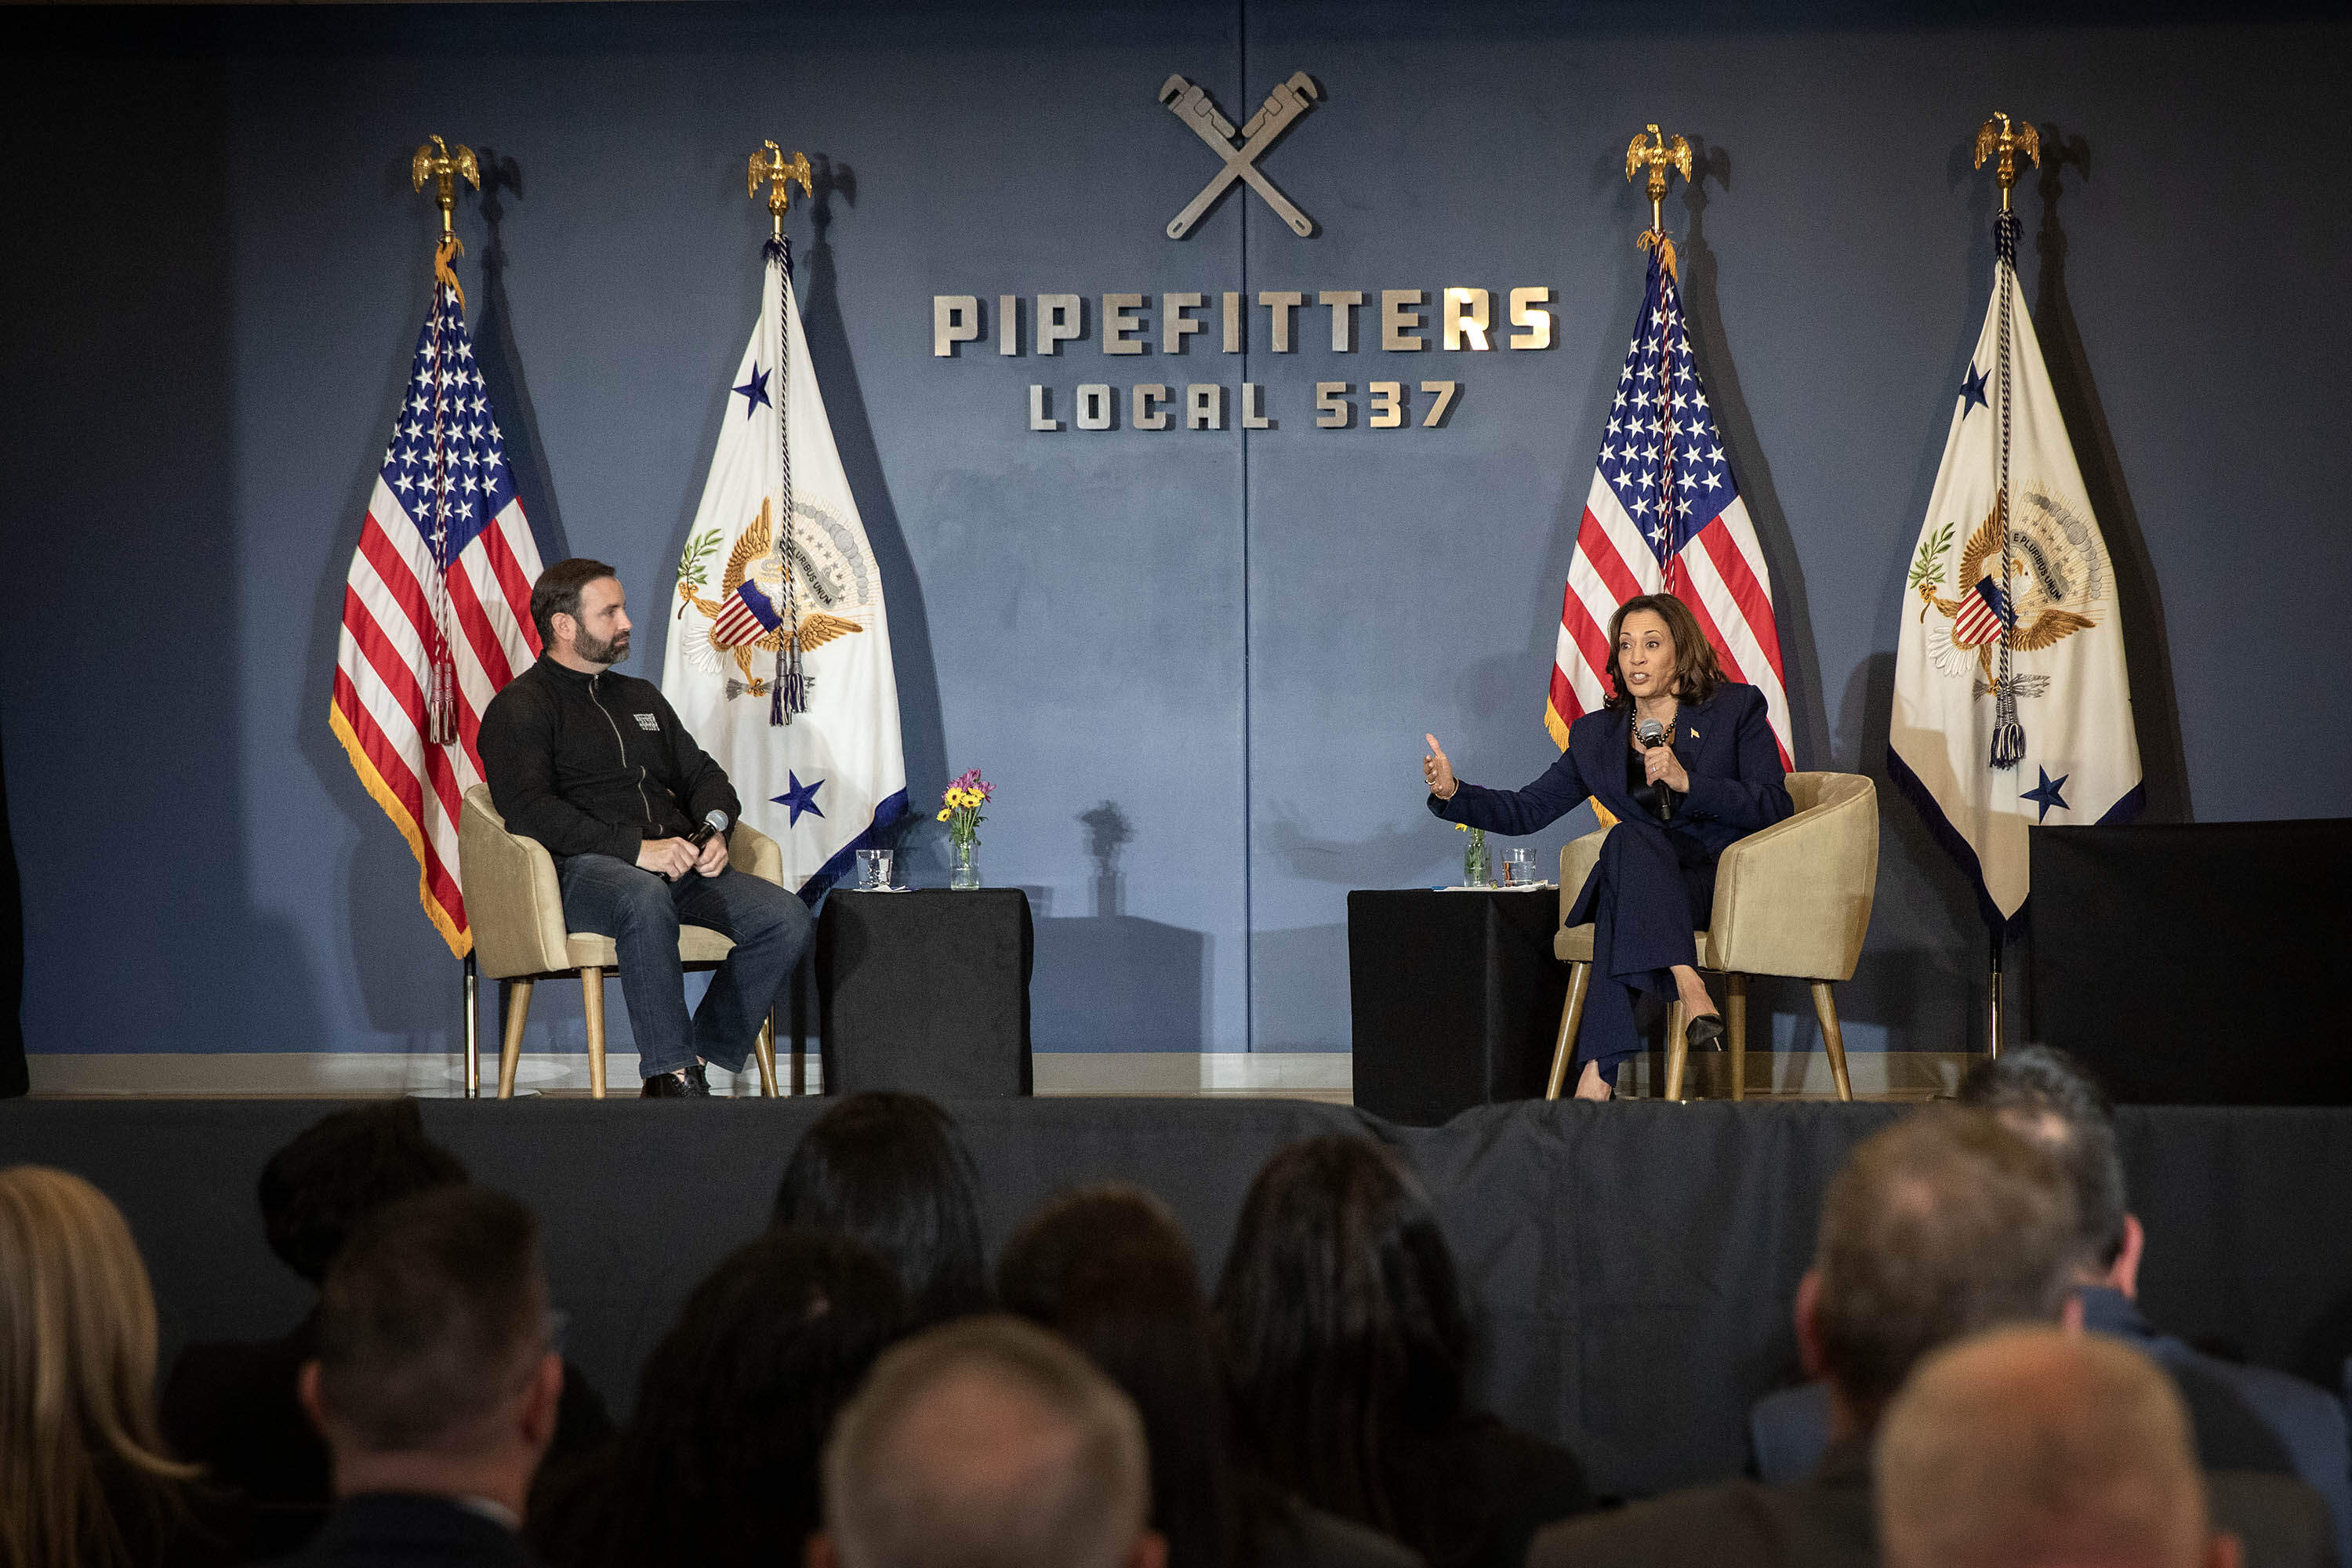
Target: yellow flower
point(943, 816)
point(1461, 827)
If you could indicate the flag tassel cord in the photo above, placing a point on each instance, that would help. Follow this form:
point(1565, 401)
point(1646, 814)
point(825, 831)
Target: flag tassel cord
point(2008, 731)
point(791, 694)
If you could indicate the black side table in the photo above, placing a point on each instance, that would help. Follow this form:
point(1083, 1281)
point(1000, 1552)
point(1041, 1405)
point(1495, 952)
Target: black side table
point(926, 992)
point(1455, 997)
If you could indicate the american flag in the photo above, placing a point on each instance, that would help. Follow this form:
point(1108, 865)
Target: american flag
point(439, 591)
point(1664, 515)
point(1981, 615)
point(750, 616)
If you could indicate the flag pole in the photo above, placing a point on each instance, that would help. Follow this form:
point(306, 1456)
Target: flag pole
point(1993, 1042)
point(2005, 137)
point(1658, 154)
point(473, 1031)
point(789, 693)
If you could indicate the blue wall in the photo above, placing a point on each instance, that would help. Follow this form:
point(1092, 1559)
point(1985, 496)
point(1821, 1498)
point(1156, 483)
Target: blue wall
point(1197, 665)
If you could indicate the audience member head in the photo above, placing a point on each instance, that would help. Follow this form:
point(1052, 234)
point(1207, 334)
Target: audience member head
point(2049, 1098)
point(80, 1458)
point(1342, 1321)
point(2027, 1447)
point(987, 1444)
point(340, 1169)
point(1108, 1269)
point(1945, 1224)
point(891, 1170)
point(437, 1370)
point(719, 1466)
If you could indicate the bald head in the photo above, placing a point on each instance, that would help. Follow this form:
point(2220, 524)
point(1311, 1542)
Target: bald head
point(2032, 1447)
point(988, 1444)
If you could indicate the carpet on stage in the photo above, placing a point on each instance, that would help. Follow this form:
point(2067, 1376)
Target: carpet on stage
point(1629, 1268)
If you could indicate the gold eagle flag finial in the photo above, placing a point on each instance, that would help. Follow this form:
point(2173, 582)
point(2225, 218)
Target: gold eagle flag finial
point(1650, 150)
point(781, 172)
point(443, 166)
point(2009, 140)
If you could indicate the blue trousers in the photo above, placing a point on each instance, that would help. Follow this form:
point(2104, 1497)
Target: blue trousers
point(1641, 898)
point(641, 912)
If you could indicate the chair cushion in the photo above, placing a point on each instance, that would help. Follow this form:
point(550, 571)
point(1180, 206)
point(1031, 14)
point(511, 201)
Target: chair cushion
point(696, 944)
point(1574, 944)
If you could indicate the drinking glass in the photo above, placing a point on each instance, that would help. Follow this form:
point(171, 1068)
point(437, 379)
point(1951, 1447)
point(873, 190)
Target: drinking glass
point(1518, 866)
point(874, 870)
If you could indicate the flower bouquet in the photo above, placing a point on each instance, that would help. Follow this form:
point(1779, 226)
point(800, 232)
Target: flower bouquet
point(960, 809)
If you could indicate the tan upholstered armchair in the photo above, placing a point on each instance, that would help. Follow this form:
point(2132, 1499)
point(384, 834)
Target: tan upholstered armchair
point(516, 909)
point(1793, 900)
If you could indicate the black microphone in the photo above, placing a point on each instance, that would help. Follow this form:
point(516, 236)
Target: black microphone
point(709, 826)
point(1652, 734)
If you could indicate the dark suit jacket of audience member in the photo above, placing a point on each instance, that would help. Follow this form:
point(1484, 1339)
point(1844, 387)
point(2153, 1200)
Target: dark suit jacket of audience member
point(230, 1406)
point(1293, 1535)
point(2244, 1417)
point(1826, 1522)
point(392, 1531)
point(174, 1525)
point(1486, 1489)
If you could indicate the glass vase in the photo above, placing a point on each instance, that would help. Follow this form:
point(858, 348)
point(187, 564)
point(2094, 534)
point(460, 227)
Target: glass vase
point(965, 871)
point(1477, 871)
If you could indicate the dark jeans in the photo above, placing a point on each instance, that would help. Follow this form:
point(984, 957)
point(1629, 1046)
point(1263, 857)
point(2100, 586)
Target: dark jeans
point(641, 914)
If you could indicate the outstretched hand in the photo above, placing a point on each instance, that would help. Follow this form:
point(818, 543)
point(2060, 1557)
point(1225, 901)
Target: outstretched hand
point(1438, 769)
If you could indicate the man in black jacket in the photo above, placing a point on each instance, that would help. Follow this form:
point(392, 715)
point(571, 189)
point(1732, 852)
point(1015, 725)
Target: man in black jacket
point(596, 767)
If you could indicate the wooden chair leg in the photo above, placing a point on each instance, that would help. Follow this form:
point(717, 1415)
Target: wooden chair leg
point(764, 1047)
point(1571, 1014)
point(592, 1001)
point(1826, 1011)
point(1677, 1049)
point(1735, 1025)
point(517, 1008)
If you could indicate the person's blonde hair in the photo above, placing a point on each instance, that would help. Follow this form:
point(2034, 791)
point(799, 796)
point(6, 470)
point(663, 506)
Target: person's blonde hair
point(77, 1372)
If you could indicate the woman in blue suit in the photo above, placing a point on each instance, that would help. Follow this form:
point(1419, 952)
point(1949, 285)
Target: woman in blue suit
point(1714, 777)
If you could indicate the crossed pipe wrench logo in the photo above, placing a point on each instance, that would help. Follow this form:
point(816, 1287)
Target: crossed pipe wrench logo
point(1282, 109)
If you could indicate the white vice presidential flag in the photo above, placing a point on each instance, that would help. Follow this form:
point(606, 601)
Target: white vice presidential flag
point(2011, 707)
point(778, 650)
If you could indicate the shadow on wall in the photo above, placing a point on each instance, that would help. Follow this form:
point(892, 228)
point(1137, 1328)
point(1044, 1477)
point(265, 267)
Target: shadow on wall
point(1800, 661)
point(1111, 981)
point(2148, 644)
point(161, 940)
point(501, 365)
point(921, 726)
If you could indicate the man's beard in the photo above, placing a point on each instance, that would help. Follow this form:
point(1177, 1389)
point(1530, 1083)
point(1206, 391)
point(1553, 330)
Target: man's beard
point(595, 652)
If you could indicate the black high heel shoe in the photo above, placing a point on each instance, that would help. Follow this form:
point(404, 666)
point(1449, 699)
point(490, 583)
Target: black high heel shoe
point(1705, 1033)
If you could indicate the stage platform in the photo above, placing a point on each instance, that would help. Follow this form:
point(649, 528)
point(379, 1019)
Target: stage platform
point(1629, 1267)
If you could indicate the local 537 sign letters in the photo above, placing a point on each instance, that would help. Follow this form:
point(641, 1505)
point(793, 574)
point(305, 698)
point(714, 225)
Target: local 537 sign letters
point(1287, 320)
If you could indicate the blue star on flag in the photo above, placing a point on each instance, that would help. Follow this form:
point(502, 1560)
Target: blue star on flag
point(755, 391)
point(800, 797)
point(2046, 795)
point(1972, 393)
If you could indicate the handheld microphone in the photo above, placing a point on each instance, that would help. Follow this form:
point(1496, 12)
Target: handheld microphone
point(1652, 734)
point(714, 823)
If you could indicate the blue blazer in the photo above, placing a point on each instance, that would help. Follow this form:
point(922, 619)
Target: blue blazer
point(1725, 744)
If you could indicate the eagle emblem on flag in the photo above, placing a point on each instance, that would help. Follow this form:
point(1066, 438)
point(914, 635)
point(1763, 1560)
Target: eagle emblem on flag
point(744, 619)
point(2059, 592)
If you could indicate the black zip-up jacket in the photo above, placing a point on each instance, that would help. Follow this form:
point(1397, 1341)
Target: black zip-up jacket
point(596, 764)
